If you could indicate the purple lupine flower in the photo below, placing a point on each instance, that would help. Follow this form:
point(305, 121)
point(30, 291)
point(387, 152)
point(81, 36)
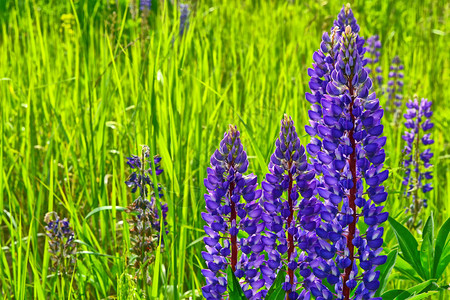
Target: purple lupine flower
point(346, 18)
point(61, 243)
point(347, 151)
point(373, 46)
point(285, 231)
point(232, 206)
point(395, 87)
point(184, 17)
point(145, 5)
point(417, 155)
point(145, 223)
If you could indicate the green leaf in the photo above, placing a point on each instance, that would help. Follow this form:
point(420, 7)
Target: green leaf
point(427, 248)
point(385, 271)
point(109, 207)
point(440, 245)
point(407, 270)
point(415, 290)
point(276, 291)
point(421, 296)
point(408, 246)
point(234, 288)
point(390, 295)
point(443, 263)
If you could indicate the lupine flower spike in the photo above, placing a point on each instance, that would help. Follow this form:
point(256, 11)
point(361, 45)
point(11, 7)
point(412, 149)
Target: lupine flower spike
point(145, 224)
point(395, 88)
point(145, 5)
point(373, 58)
point(232, 208)
point(61, 242)
point(417, 156)
point(290, 218)
point(184, 18)
point(347, 152)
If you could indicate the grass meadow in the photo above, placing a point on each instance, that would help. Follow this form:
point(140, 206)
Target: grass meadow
point(83, 84)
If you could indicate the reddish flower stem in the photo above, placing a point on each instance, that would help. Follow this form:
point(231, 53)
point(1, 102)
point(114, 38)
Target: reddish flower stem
point(352, 196)
point(290, 236)
point(234, 248)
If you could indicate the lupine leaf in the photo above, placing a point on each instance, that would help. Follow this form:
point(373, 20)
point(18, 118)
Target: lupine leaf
point(415, 290)
point(233, 286)
point(443, 263)
point(408, 246)
point(421, 296)
point(440, 245)
point(385, 271)
point(390, 295)
point(109, 207)
point(276, 291)
point(407, 270)
point(427, 247)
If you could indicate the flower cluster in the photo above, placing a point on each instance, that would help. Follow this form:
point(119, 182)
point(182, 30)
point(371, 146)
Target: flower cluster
point(417, 155)
point(395, 87)
point(347, 151)
point(145, 223)
point(372, 49)
point(290, 220)
point(232, 208)
point(61, 242)
point(145, 5)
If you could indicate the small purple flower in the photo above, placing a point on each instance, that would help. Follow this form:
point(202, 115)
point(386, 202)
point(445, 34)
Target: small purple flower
point(395, 88)
point(61, 242)
point(184, 17)
point(291, 213)
point(232, 207)
point(145, 5)
point(417, 155)
point(346, 18)
point(145, 223)
point(373, 50)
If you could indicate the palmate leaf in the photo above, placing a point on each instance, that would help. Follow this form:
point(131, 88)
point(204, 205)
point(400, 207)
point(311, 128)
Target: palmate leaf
point(439, 253)
point(410, 293)
point(276, 291)
point(408, 246)
point(233, 286)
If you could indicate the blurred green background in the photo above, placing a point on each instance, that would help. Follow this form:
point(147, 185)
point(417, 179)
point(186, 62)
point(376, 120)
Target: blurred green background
point(83, 84)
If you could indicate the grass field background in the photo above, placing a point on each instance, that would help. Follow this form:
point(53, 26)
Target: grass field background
point(83, 84)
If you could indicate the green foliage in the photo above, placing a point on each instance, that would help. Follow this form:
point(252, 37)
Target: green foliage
point(84, 83)
point(420, 265)
point(233, 286)
point(276, 291)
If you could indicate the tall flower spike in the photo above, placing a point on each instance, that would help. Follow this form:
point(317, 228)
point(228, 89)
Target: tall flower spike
point(290, 213)
point(417, 155)
point(395, 88)
point(347, 151)
point(232, 206)
point(373, 50)
point(61, 242)
point(145, 224)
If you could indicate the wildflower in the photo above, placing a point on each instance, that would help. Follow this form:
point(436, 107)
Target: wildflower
point(227, 215)
point(290, 220)
point(145, 5)
point(61, 243)
point(184, 17)
point(145, 223)
point(347, 151)
point(395, 87)
point(373, 46)
point(417, 155)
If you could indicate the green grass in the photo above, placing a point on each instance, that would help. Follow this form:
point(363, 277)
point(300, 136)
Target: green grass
point(77, 99)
